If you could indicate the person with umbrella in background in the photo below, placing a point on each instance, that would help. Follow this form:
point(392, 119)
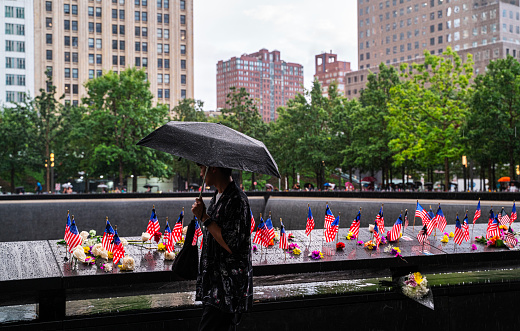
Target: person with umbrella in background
point(225, 277)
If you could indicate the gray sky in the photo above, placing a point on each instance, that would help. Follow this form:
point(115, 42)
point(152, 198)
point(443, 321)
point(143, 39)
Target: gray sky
point(299, 29)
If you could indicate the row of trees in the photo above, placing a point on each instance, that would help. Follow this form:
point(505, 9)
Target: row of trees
point(415, 118)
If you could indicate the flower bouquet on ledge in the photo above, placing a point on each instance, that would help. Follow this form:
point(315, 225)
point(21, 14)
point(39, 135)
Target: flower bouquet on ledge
point(414, 286)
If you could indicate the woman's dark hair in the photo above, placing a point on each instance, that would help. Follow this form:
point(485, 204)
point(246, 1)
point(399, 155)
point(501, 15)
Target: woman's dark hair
point(226, 171)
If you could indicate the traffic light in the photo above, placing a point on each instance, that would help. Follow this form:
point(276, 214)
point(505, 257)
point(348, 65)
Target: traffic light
point(52, 159)
point(518, 169)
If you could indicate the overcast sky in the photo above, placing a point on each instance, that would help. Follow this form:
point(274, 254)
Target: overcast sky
point(299, 29)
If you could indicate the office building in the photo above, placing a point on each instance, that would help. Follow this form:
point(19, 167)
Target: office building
point(79, 40)
point(329, 69)
point(16, 51)
point(396, 31)
point(266, 77)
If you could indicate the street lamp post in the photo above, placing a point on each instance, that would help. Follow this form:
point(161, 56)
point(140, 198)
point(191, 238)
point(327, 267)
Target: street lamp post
point(465, 164)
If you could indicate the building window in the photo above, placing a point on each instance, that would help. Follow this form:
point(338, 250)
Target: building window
point(159, 93)
point(114, 29)
point(90, 11)
point(75, 89)
point(432, 41)
point(48, 5)
point(166, 63)
point(167, 93)
point(74, 73)
point(98, 43)
point(137, 16)
point(182, 4)
point(144, 16)
point(183, 19)
point(159, 18)
point(48, 39)
point(114, 13)
point(159, 3)
point(67, 72)
point(145, 47)
point(159, 63)
point(166, 4)
point(114, 60)
point(145, 62)
point(91, 74)
point(121, 29)
point(114, 44)
point(137, 46)
point(122, 45)
point(183, 49)
point(99, 59)
point(122, 60)
point(98, 27)
point(183, 64)
point(183, 34)
point(137, 61)
point(75, 57)
point(144, 32)
point(159, 33)
point(166, 48)
point(183, 94)
point(137, 31)
point(183, 79)
point(75, 25)
point(91, 27)
point(74, 41)
point(121, 14)
point(167, 78)
point(98, 11)
point(66, 8)
point(91, 58)
point(99, 73)
point(48, 22)
point(439, 41)
point(67, 56)
point(49, 55)
point(159, 48)
point(166, 18)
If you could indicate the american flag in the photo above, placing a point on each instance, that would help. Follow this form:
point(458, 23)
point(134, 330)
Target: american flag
point(459, 232)
point(380, 220)
point(329, 217)
point(252, 222)
point(477, 213)
point(270, 229)
point(510, 237)
point(108, 236)
point(491, 217)
point(260, 234)
point(405, 219)
point(377, 236)
point(420, 212)
point(422, 236)
point(284, 242)
point(67, 228)
point(153, 224)
point(465, 227)
point(492, 229)
point(74, 238)
point(332, 230)
point(356, 223)
point(197, 234)
point(440, 219)
point(177, 228)
point(119, 250)
point(170, 243)
point(513, 213)
point(503, 218)
point(431, 224)
point(310, 223)
point(395, 232)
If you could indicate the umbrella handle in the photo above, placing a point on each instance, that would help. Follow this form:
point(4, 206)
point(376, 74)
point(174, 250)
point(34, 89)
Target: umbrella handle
point(203, 182)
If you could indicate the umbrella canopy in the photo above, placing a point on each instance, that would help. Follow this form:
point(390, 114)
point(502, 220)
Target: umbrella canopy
point(213, 145)
point(369, 179)
point(102, 186)
point(504, 179)
point(148, 185)
point(66, 185)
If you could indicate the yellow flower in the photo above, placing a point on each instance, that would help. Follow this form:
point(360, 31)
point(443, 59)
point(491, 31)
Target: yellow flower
point(297, 251)
point(86, 249)
point(452, 235)
point(161, 247)
point(445, 239)
point(119, 266)
point(503, 227)
point(110, 255)
point(418, 277)
point(397, 249)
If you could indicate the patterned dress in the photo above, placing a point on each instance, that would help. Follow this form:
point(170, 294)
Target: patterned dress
point(225, 280)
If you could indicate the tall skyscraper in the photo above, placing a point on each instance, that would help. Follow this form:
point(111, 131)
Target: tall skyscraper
point(16, 51)
point(395, 31)
point(79, 40)
point(268, 79)
point(329, 69)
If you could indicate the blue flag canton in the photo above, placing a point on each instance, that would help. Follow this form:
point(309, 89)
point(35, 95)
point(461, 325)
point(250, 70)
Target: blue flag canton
point(181, 216)
point(167, 228)
point(73, 228)
point(68, 220)
point(309, 215)
point(399, 220)
point(336, 222)
point(116, 239)
point(358, 217)
point(109, 229)
point(457, 223)
point(269, 223)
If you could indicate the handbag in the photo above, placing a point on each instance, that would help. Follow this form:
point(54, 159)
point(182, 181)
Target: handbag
point(186, 263)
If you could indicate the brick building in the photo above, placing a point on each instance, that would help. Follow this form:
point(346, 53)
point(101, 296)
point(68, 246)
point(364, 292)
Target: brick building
point(329, 69)
point(265, 76)
point(396, 31)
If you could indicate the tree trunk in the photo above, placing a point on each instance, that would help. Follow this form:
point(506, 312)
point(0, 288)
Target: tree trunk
point(446, 174)
point(350, 176)
point(402, 176)
point(120, 172)
point(12, 177)
point(294, 176)
point(134, 182)
point(493, 176)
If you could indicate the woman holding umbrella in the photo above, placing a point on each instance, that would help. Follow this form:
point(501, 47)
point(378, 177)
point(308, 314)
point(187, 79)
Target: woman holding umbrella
point(225, 281)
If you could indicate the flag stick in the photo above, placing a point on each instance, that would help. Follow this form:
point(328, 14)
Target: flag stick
point(399, 236)
point(261, 244)
point(324, 227)
point(413, 227)
point(337, 234)
point(434, 229)
point(310, 234)
point(66, 244)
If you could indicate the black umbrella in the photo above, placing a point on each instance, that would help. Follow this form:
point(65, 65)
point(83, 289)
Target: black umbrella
point(213, 145)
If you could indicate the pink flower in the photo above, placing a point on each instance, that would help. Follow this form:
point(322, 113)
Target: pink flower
point(255, 248)
point(474, 247)
point(360, 242)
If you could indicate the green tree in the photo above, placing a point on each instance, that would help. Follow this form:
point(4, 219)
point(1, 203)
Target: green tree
point(427, 111)
point(494, 121)
point(18, 137)
point(371, 135)
point(120, 113)
point(242, 115)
